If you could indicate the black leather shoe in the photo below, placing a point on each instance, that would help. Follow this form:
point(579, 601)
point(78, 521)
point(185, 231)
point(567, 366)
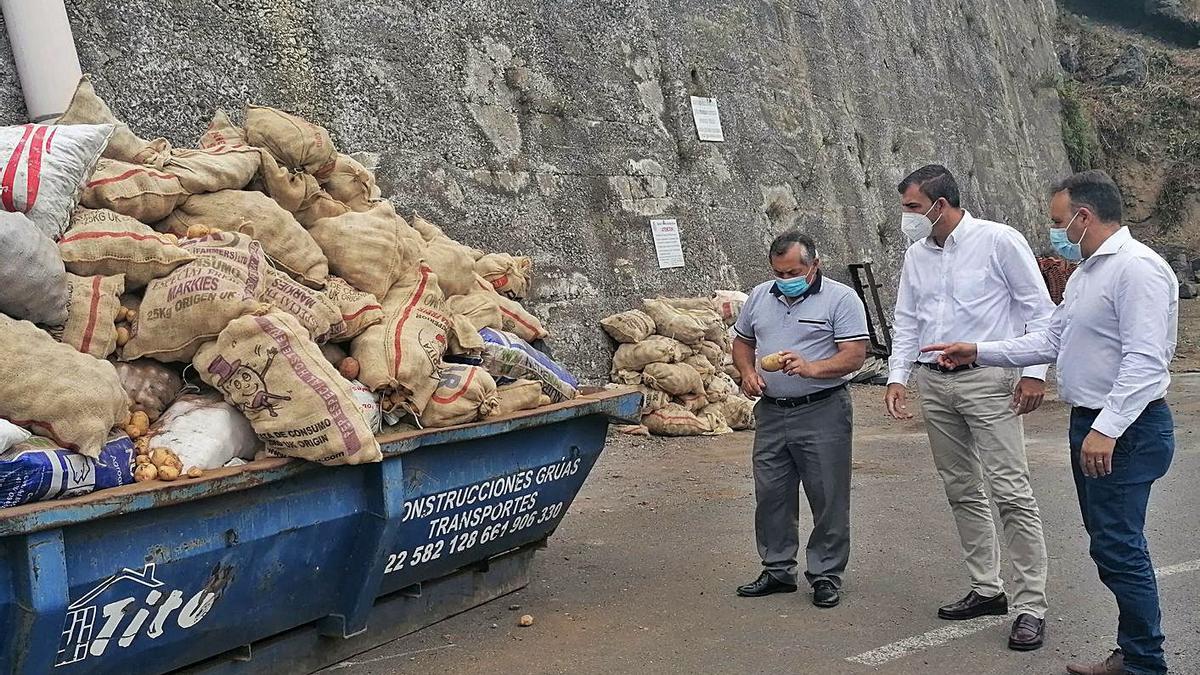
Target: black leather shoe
point(825, 594)
point(975, 605)
point(1028, 633)
point(765, 585)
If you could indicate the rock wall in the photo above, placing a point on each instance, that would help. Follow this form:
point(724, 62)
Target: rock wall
point(557, 128)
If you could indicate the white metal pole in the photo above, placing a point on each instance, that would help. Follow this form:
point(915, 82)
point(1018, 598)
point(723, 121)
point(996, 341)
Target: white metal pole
point(44, 51)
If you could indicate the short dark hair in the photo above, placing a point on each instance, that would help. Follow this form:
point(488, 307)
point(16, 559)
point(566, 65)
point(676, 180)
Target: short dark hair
point(935, 182)
point(1095, 190)
point(784, 243)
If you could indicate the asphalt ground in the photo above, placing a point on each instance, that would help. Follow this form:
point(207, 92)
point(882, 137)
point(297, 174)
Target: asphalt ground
point(639, 578)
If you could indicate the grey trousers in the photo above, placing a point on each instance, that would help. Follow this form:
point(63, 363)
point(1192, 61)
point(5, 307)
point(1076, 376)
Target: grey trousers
point(809, 445)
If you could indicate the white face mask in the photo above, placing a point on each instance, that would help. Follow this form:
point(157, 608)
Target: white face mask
point(917, 226)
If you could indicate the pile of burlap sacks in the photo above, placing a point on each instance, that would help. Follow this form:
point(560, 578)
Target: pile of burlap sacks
point(264, 263)
point(677, 351)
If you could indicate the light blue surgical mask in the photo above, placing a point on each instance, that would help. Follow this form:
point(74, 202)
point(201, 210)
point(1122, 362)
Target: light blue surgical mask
point(794, 287)
point(1069, 250)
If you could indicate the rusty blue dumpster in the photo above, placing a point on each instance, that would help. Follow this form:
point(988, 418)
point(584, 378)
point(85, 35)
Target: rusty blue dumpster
point(283, 566)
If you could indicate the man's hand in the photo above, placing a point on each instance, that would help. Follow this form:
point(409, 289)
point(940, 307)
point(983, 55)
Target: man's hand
point(1095, 458)
point(752, 383)
point(1028, 395)
point(896, 401)
point(954, 354)
point(795, 365)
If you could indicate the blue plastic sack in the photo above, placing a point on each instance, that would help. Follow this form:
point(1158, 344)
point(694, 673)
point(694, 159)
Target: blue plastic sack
point(38, 470)
point(507, 358)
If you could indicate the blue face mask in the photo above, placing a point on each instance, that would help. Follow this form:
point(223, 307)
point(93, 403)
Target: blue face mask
point(792, 288)
point(1069, 250)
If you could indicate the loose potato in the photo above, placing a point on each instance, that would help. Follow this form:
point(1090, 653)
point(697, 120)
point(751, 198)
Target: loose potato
point(525, 621)
point(197, 231)
point(194, 472)
point(168, 473)
point(141, 460)
point(544, 400)
point(772, 362)
point(145, 472)
point(349, 368)
point(162, 457)
point(122, 336)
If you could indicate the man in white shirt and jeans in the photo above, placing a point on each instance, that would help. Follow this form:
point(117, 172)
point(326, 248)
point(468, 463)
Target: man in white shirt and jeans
point(965, 276)
point(1113, 338)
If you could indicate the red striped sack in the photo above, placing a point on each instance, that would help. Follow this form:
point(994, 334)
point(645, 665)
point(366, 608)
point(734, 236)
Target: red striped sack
point(402, 356)
point(297, 143)
point(509, 275)
point(222, 132)
point(464, 394)
point(360, 310)
point(515, 318)
point(44, 169)
point(54, 391)
point(92, 306)
point(103, 242)
point(140, 192)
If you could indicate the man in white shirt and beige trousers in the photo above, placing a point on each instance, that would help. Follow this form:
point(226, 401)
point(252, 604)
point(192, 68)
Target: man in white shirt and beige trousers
point(1113, 338)
point(965, 276)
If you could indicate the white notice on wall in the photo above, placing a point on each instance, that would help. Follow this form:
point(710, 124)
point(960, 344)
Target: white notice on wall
point(666, 243)
point(707, 118)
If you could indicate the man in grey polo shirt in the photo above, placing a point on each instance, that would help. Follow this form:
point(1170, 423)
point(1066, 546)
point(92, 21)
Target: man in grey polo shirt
point(803, 417)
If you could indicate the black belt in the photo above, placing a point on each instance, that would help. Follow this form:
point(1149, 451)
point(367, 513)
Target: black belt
point(935, 366)
point(1096, 411)
point(796, 401)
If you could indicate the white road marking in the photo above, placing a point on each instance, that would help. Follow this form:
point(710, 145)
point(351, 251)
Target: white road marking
point(943, 636)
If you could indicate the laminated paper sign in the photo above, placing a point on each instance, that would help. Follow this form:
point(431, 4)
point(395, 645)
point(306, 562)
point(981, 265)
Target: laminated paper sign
point(666, 243)
point(707, 119)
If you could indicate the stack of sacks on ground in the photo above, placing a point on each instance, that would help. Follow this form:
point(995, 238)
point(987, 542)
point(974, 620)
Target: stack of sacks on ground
point(241, 258)
point(677, 351)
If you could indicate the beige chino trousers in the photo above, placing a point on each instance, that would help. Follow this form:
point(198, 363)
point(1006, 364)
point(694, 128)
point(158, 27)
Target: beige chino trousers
point(978, 446)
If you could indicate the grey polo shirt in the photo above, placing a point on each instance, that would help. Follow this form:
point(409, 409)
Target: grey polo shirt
point(811, 326)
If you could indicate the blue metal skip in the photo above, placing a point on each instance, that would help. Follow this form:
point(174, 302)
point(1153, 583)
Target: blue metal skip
point(151, 579)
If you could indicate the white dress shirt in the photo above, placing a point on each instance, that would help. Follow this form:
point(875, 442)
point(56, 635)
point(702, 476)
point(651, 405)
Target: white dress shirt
point(983, 285)
point(1113, 336)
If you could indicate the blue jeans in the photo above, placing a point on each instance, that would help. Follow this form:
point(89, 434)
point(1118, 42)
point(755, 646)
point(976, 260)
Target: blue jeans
point(1114, 515)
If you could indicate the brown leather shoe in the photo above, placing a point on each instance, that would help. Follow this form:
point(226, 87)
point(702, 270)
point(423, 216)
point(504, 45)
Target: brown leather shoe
point(1028, 633)
point(1113, 665)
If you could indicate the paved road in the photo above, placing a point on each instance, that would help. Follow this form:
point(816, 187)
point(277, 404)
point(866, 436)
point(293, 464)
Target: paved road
point(640, 576)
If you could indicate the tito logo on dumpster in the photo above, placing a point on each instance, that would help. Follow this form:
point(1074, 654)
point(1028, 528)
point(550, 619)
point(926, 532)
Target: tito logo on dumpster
point(147, 607)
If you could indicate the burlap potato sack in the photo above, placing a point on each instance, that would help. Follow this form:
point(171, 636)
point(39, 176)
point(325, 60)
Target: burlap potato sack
point(88, 108)
point(222, 132)
point(317, 204)
point(464, 394)
point(508, 275)
point(628, 327)
point(403, 354)
point(702, 366)
point(92, 306)
point(194, 303)
point(103, 242)
point(478, 308)
point(430, 232)
point(365, 249)
point(653, 399)
point(55, 391)
point(674, 378)
point(464, 339)
point(702, 304)
point(351, 184)
point(630, 377)
point(294, 141)
point(320, 315)
point(687, 326)
point(693, 402)
point(269, 369)
point(285, 242)
point(675, 420)
point(715, 353)
point(720, 387)
point(214, 169)
point(736, 411)
point(515, 318)
point(140, 192)
point(33, 281)
point(518, 396)
point(654, 349)
point(452, 264)
point(360, 310)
